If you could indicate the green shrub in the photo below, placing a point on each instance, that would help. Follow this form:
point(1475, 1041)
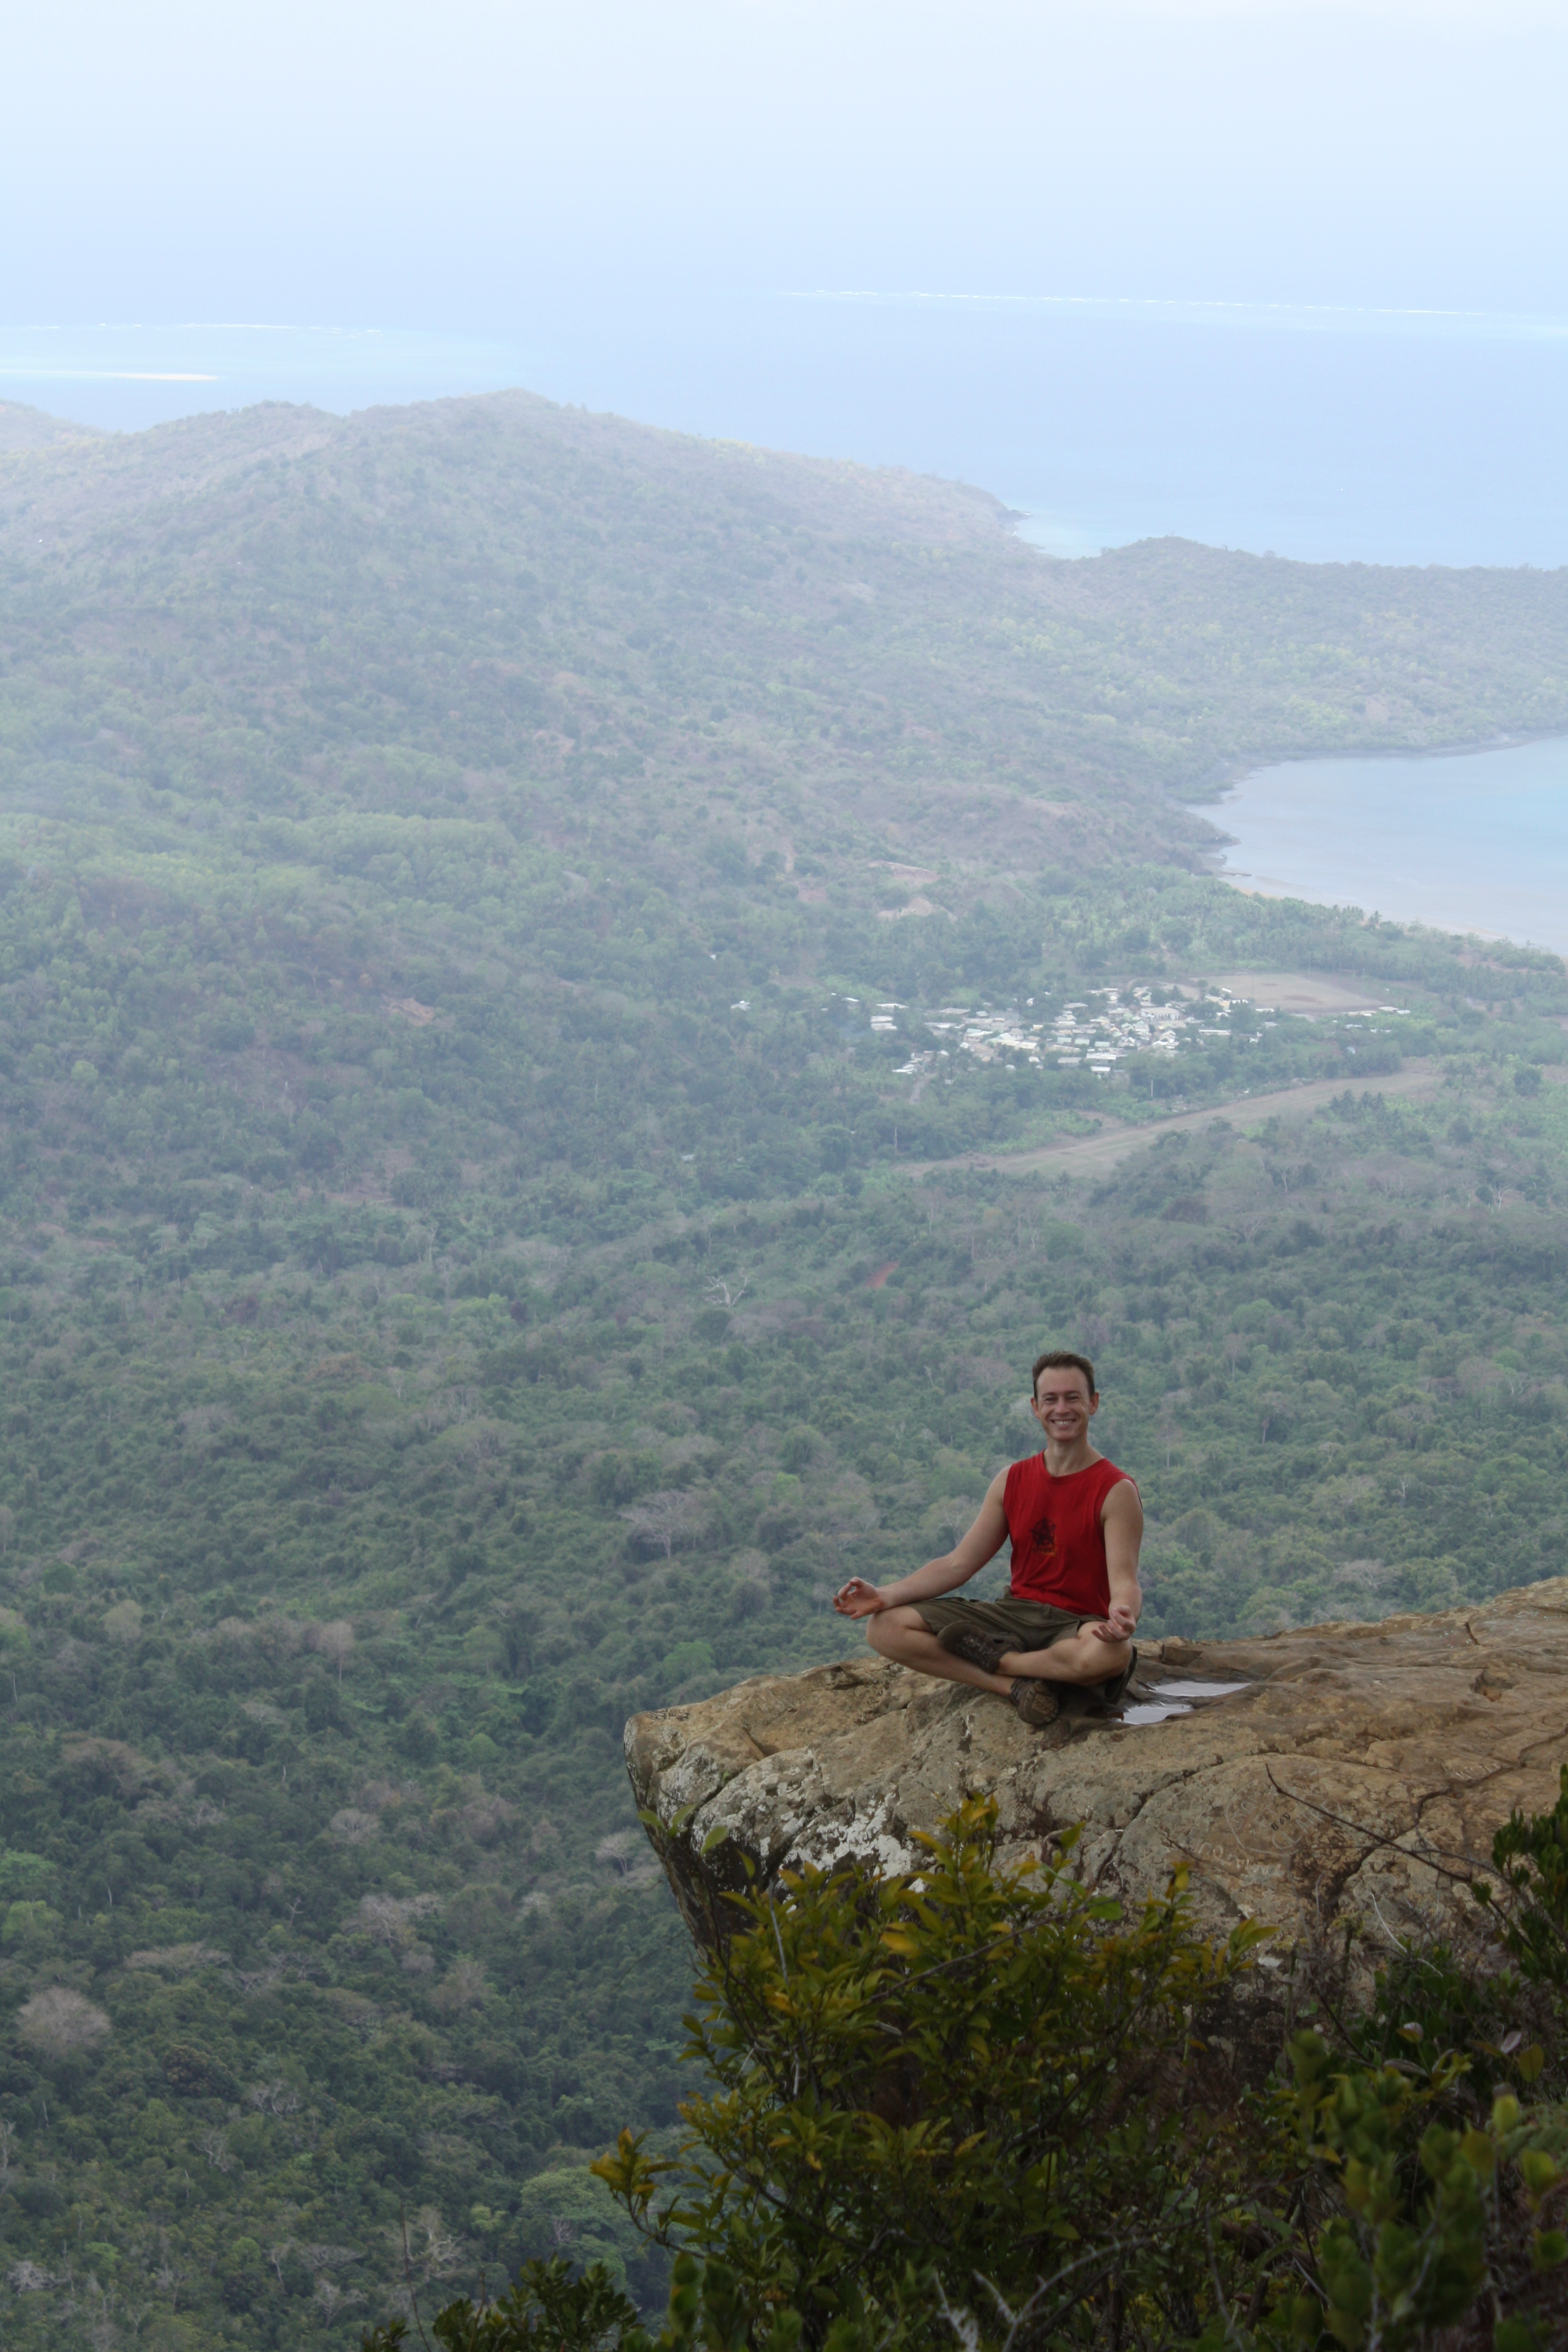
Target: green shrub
point(975, 2105)
point(1532, 1861)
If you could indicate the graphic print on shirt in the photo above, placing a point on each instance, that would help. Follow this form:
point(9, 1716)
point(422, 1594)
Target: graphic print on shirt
point(1058, 1535)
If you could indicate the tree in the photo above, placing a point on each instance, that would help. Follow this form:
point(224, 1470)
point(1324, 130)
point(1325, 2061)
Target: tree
point(60, 2022)
point(952, 1517)
point(726, 1290)
point(665, 1519)
point(958, 2104)
point(335, 1642)
point(973, 2107)
point(949, 2084)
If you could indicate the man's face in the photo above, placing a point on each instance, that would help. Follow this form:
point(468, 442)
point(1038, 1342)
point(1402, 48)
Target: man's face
point(1063, 1406)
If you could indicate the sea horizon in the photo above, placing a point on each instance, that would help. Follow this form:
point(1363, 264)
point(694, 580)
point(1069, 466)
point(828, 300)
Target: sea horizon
point(1313, 432)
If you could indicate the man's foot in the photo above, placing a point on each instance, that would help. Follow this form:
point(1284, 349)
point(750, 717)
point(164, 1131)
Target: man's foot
point(974, 1645)
point(1039, 1703)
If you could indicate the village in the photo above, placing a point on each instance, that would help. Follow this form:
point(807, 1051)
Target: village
point(1094, 1032)
point(1091, 1033)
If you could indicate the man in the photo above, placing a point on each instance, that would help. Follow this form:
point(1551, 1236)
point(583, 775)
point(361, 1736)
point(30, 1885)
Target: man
point(1075, 1522)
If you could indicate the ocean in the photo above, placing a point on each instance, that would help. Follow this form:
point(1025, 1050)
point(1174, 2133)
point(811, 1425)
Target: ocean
point(1474, 841)
point(1330, 435)
point(1334, 435)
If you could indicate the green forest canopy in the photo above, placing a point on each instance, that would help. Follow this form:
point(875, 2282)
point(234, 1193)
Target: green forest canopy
point(465, 1273)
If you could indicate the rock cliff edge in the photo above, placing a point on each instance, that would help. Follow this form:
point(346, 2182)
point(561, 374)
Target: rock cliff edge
point(1342, 1770)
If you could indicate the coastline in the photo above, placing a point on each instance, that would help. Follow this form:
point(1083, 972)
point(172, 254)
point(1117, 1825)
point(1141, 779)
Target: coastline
point(1211, 796)
point(1468, 844)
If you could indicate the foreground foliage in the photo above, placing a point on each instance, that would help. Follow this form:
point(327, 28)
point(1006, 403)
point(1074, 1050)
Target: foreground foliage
point(918, 2080)
point(980, 2107)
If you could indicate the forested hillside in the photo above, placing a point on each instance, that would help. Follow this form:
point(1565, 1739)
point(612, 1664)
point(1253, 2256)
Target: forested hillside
point(491, 900)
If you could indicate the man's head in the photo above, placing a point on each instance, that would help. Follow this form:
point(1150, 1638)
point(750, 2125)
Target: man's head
point(1065, 1397)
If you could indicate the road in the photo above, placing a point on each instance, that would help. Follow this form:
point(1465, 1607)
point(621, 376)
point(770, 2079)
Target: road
point(1090, 1155)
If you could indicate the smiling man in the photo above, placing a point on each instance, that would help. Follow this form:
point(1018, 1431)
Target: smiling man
point(1075, 1522)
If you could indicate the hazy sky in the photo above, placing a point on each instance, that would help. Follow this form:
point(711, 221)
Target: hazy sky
point(448, 166)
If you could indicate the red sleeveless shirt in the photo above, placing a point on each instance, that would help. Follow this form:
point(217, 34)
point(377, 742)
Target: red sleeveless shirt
point(1058, 1544)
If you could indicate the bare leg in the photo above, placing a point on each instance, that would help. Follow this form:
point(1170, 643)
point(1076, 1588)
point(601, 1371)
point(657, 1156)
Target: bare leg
point(900, 1634)
point(1080, 1658)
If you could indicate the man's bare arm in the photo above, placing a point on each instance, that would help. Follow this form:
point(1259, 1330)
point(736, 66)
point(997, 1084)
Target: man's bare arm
point(967, 1558)
point(1122, 1517)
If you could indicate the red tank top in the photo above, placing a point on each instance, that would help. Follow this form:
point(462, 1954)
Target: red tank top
point(1058, 1544)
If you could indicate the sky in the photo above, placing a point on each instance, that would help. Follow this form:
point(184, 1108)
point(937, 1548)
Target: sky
point(1285, 275)
point(443, 165)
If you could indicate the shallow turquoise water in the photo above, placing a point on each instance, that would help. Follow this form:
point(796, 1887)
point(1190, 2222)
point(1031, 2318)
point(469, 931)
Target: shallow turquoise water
point(1474, 841)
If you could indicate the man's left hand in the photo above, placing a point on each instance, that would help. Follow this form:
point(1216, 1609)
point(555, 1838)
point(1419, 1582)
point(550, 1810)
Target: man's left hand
point(1119, 1626)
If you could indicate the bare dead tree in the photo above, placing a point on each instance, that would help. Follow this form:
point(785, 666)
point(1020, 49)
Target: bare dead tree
point(955, 1516)
point(663, 1518)
point(441, 2250)
point(102, 2332)
point(60, 2022)
point(335, 1642)
point(1273, 1404)
point(622, 1851)
point(274, 2099)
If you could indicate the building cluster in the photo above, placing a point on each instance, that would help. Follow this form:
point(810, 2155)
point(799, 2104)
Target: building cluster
point(1092, 1033)
point(1089, 1032)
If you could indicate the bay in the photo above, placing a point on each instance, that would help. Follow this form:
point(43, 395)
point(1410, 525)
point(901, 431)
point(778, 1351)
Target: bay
point(1473, 841)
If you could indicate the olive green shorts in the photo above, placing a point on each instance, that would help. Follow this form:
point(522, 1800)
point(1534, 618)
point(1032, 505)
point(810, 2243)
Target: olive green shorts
point(1028, 1626)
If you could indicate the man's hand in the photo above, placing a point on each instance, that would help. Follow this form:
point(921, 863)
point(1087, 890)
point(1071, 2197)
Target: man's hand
point(858, 1599)
point(1119, 1626)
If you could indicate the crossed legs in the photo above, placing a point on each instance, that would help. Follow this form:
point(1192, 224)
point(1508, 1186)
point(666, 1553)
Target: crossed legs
point(901, 1636)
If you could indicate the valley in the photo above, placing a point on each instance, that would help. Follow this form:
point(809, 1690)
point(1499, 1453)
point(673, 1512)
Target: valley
point(575, 1004)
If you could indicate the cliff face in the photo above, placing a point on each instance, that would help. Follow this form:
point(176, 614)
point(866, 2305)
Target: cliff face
point(1343, 1771)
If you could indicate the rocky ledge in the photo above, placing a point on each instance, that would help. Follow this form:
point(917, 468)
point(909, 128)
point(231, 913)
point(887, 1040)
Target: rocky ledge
point(1344, 1772)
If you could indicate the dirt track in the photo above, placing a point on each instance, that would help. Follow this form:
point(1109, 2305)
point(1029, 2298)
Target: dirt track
point(1089, 1155)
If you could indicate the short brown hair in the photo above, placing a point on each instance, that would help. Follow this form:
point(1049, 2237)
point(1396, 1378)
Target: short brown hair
point(1057, 1359)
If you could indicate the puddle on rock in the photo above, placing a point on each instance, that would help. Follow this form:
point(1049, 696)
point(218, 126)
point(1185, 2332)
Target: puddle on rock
point(1177, 1698)
point(1197, 1690)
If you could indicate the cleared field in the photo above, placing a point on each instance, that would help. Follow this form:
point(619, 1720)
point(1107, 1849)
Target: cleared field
point(1299, 992)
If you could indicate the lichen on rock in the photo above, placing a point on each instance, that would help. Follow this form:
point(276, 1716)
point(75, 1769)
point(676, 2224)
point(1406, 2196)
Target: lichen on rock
point(1354, 1774)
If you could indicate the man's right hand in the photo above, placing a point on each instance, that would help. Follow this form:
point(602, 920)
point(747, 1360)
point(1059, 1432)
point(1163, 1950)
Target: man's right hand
point(858, 1599)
